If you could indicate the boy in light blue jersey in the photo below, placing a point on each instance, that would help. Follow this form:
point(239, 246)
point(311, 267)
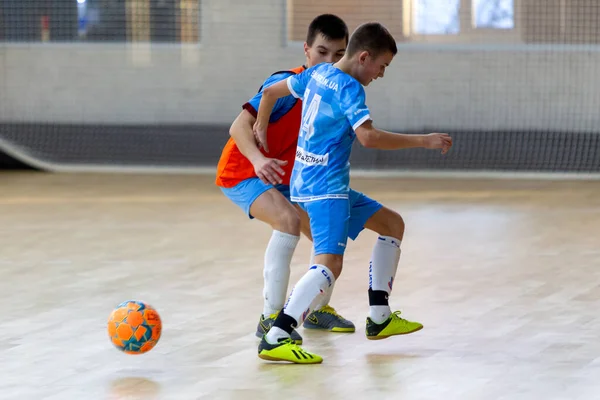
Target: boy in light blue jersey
point(334, 113)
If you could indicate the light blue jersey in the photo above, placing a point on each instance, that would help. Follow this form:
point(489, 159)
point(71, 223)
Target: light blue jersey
point(333, 106)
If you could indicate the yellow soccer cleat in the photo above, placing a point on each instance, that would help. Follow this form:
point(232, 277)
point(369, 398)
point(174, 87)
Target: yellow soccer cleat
point(392, 326)
point(286, 350)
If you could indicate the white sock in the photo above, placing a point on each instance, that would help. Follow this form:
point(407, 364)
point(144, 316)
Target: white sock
point(278, 258)
point(384, 264)
point(312, 285)
point(379, 314)
point(326, 298)
point(276, 333)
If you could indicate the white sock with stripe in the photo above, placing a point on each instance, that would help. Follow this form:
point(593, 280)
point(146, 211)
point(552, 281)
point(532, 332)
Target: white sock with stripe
point(382, 272)
point(304, 295)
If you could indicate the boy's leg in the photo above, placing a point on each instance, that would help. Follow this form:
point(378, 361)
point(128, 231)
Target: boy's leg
point(361, 209)
point(329, 227)
point(271, 205)
point(304, 222)
point(368, 213)
point(325, 317)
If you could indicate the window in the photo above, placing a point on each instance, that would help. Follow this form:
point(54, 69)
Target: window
point(460, 21)
point(436, 17)
point(413, 20)
point(494, 14)
point(167, 21)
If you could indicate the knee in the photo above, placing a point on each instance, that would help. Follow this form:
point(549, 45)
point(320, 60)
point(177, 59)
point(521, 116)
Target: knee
point(304, 222)
point(333, 262)
point(306, 231)
point(335, 266)
point(336, 270)
point(394, 226)
point(288, 221)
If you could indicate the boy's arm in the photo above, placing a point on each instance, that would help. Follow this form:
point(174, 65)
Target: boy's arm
point(371, 137)
point(241, 132)
point(353, 102)
point(267, 169)
point(267, 102)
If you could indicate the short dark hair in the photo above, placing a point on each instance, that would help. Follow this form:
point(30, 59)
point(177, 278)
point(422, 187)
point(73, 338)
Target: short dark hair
point(372, 37)
point(330, 26)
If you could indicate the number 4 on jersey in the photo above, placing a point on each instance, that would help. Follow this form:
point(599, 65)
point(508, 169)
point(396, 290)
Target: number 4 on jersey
point(310, 115)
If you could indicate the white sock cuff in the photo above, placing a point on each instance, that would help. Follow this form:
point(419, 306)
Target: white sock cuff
point(285, 239)
point(389, 240)
point(326, 272)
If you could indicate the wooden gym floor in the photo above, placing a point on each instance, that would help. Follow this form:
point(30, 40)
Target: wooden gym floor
point(505, 276)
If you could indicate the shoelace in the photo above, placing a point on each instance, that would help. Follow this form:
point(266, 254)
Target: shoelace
point(286, 341)
point(290, 342)
point(397, 315)
point(329, 310)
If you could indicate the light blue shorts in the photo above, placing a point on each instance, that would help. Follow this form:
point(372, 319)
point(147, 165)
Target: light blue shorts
point(360, 207)
point(246, 192)
point(333, 221)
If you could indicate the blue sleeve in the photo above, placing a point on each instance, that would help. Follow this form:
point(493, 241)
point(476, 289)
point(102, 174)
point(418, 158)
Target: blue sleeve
point(353, 104)
point(282, 106)
point(297, 83)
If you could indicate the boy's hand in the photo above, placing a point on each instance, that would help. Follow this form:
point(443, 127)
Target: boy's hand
point(260, 134)
point(269, 170)
point(438, 141)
